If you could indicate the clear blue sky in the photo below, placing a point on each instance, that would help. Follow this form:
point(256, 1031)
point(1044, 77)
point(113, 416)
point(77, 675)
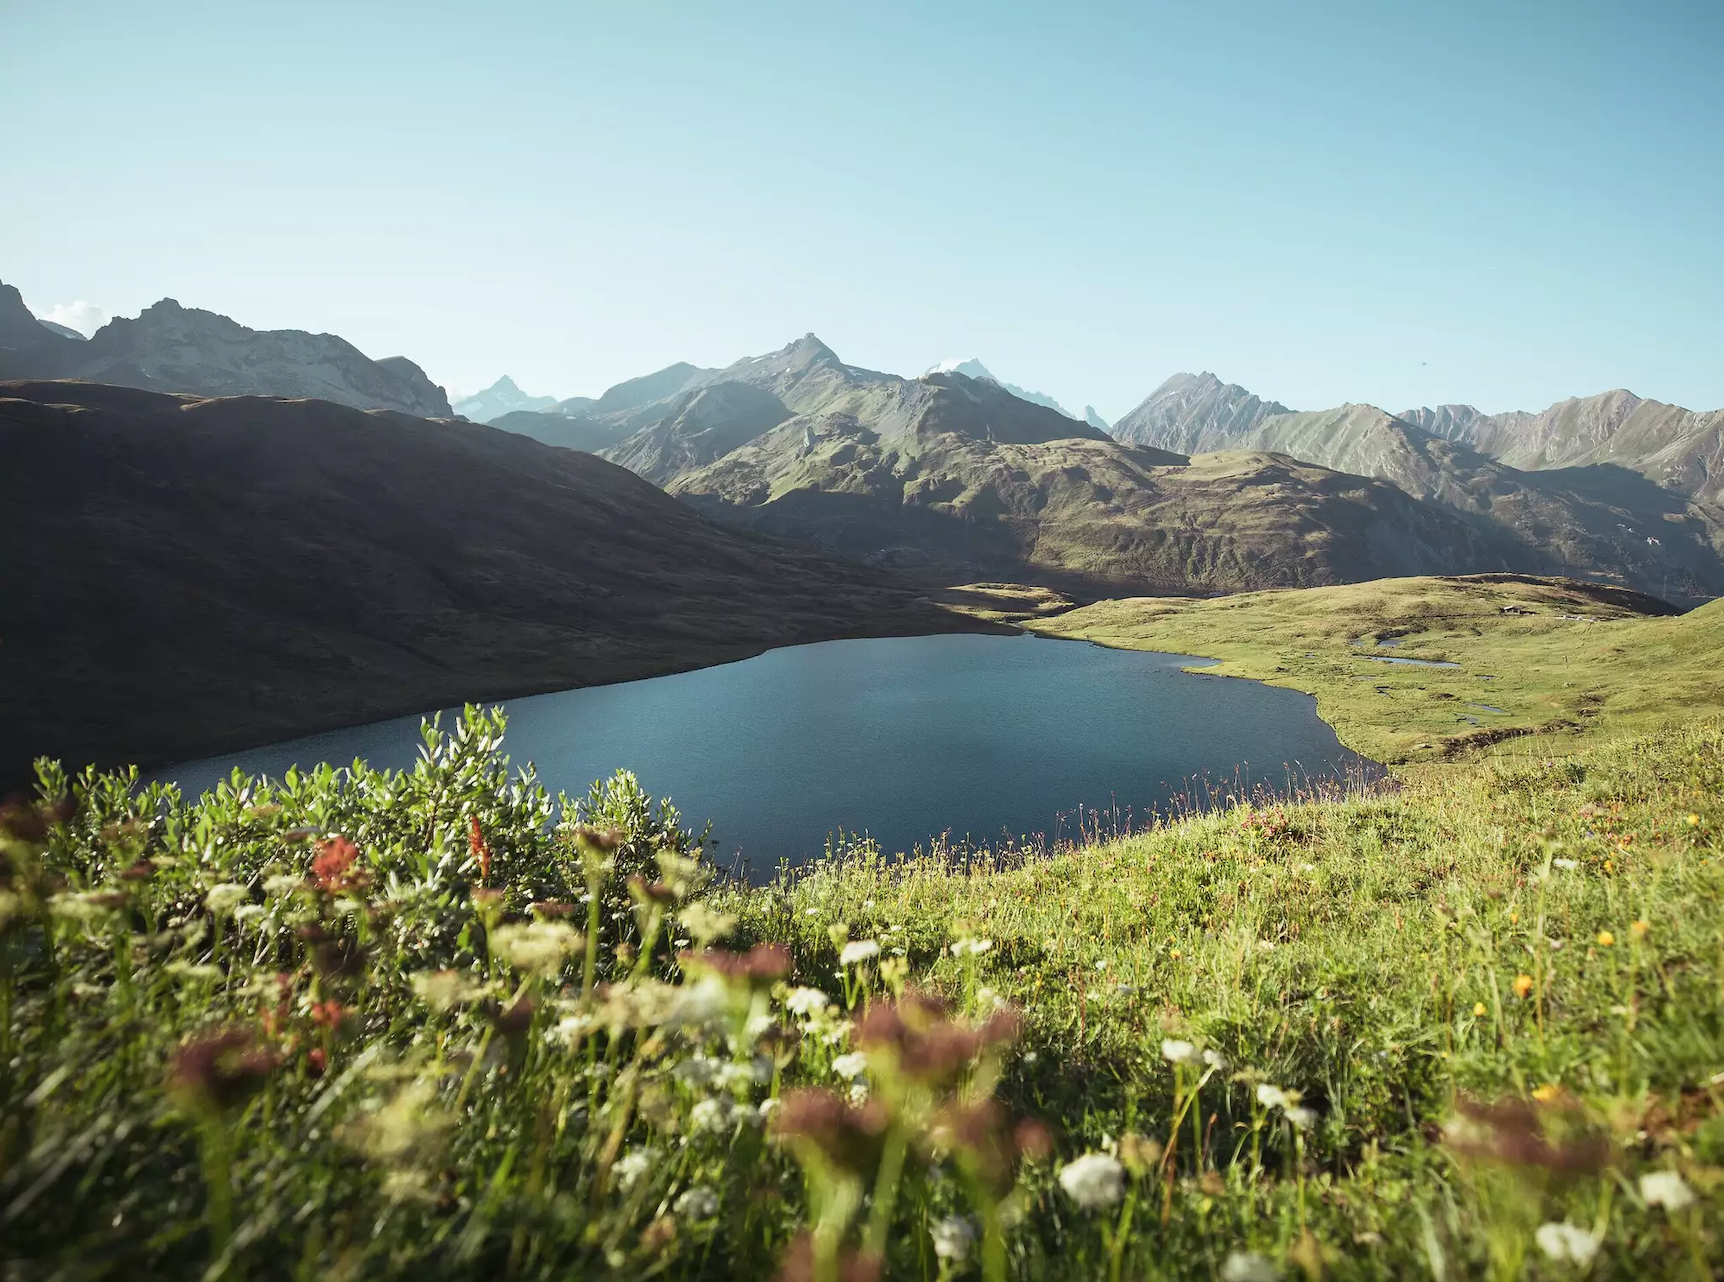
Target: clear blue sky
point(1503, 203)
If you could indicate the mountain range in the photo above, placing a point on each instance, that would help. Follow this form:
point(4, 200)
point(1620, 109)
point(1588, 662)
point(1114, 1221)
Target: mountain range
point(501, 398)
point(187, 575)
point(172, 348)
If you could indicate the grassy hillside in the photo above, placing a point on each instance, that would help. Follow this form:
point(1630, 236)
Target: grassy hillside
point(1559, 659)
point(425, 1026)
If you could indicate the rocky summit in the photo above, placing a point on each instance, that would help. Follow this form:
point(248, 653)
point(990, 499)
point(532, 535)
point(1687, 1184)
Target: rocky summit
point(172, 348)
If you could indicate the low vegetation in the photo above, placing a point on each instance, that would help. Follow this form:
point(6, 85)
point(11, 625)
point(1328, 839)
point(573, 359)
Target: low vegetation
point(441, 1024)
point(1564, 661)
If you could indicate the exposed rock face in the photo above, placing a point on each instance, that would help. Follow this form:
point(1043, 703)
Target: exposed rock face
point(189, 575)
point(181, 349)
point(1193, 413)
point(501, 398)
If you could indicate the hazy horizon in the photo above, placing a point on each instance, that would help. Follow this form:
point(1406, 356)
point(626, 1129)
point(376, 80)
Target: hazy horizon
point(1353, 204)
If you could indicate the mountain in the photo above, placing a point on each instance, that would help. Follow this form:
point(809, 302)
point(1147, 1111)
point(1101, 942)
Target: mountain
point(1598, 520)
point(191, 575)
point(1192, 413)
point(64, 331)
point(180, 349)
point(499, 399)
point(1674, 447)
point(974, 368)
point(1093, 419)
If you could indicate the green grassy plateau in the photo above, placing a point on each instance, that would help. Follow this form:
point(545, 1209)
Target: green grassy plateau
point(441, 1025)
point(1566, 660)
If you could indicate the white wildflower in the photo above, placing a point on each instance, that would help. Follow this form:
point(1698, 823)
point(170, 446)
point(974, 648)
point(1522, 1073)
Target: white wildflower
point(1102, 964)
point(711, 1114)
point(707, 1001)
point(1094, 1181)
point(1666, 1189)
point(858, 950)
point(705, 923)
point(1567, 865)
point(535, 948)
point(246, 912)
point(805, 1002)
point(283, 884)
point(1215, 1060)
point(767, 1108)
point(697, 1203)
point(1567, 1242)
point(971, 947)
point(447, 989)
point(697, 1071)
point(1300, 1116)
point(224, 897)
point(632, 1165)
point(953, 1237)
point(1248, 1266)
point(1177, 1052)
point(850, 1066)
point(1271, 1096)
point(858, 1093)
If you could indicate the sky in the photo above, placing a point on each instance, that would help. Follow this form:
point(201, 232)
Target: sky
point(1387, 201)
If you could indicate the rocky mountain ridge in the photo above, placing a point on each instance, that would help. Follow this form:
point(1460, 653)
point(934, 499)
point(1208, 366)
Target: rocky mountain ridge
point(172, 348)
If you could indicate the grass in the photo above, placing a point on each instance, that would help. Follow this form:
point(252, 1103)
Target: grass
point(1563, 661)
point(440, 1024)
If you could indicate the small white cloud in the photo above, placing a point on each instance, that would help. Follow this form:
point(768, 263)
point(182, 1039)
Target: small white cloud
point(84, 317)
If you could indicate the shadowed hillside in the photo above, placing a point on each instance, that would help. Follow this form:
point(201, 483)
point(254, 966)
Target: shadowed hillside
point(188, 575)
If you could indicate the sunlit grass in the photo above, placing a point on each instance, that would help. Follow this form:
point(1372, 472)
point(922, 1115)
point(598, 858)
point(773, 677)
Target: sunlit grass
point(423, 1025)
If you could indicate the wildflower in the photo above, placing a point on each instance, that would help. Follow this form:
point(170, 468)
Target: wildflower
point(632, 1165)
point(1248, 1266)
point(1513, 917)
point(248, 912)
point(86, 909)
point(1301, 1117)
point(760, 965)
point(443, 990)
point(971, 947)
point(705, 923)
point(858, 1095)
point(535, 948)
point(331, 1015)
point(1522, 984)
point(1567, 1242)
point(1606, 939)
point(1693, 821)
point(1215, 1060)
point(1641, 928)
point(1666, 1189)
point(822, 1127)
point(221, 1070)
point(1177, 1052)
point(1271, 1096)
point(1548, 1093)
point(1480, 1010)
point(953, 1237)
point(479, 848)
point(859, 950)
point(1094, 1181)
point(806, 1002)
point(850, 1066)
point(332, 867)
point(711, 1114)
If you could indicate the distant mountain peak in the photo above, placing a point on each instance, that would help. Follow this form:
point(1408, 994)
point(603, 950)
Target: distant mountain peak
point(970, 367)
point(502, 397)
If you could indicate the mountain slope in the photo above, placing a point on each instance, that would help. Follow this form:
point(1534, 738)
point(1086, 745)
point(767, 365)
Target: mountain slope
point(1193, 413)
point(180, 349)
point(1675, 447)
point(501, 398)
point(974, 368)
point(1602, 521)
point(187, 575)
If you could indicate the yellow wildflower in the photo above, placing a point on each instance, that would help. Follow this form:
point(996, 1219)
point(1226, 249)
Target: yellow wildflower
point(1693, 821)
point(1480, 1010)
point(1606, 939)
point(1546, 1093)
point(1522, 984)
point(1640, 929)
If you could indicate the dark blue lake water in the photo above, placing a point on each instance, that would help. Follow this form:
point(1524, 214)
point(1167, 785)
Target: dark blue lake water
point(982, 738)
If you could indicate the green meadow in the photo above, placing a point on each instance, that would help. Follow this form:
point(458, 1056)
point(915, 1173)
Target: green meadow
point(446, 1024)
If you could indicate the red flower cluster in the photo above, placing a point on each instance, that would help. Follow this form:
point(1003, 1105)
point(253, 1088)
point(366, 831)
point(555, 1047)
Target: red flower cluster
point(481, 851)
point(332, 867)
